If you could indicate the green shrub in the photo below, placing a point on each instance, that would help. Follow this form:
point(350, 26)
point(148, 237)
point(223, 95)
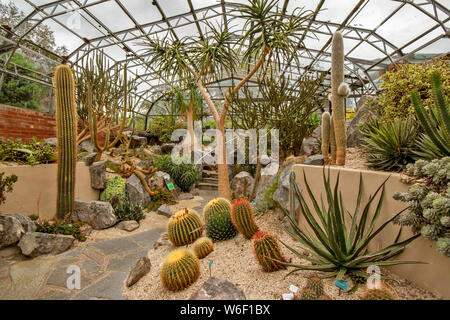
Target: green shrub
point(69, 229)
point(30, 154)
point(162, 128)
point(396, 85)
point(126, 211)
point(162, 197)
point(183, 174)
point(115, 191)
point(6, 185)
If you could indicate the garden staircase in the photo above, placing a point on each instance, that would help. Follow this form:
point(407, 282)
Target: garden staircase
point(210, 180)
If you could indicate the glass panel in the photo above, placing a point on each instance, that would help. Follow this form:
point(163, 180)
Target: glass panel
point(110, 14)
point(336, 11)
point(174, 7)
point(374, 13)
point(142, 11)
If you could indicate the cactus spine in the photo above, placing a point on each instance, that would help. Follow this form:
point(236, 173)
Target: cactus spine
point(202, 247)
point(243, 218)
point(308, 294)
point(266, 248)
point(326, 136)
point(219, 227)
point(315, 283)
point(180, 269)
point(184, 227)
point(66, 124)
point(215, 206)
point(339, 91)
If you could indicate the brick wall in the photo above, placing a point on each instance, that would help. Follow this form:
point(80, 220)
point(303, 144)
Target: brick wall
point(25, 124)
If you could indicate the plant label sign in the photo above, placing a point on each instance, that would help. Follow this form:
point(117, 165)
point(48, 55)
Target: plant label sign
point(341, 284)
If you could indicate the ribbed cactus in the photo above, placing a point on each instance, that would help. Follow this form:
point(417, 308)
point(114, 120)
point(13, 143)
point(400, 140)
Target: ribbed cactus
point(332, 142)
point(202, 247)
point(243, 217)
point(339, 91)
point(326, 136)
point(215, 206)
point(266, 248)
point(219, 227)
point(437, 125)
point(308, 294)
point(184, 227)
point(315, 283)
point(66, 125)
point(378, 294)
point(180, 269)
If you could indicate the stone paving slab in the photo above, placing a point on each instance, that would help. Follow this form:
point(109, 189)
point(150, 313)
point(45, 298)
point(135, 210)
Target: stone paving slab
point(125, 263)
point(148, 238)
point(114, 246)
point(109, 288)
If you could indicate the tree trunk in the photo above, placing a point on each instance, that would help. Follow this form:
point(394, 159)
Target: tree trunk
point(222, 167)
point(257, 178)
point(190, 126)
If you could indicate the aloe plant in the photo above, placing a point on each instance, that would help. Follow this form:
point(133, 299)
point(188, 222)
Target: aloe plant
point(436, 142)
point(334, 248)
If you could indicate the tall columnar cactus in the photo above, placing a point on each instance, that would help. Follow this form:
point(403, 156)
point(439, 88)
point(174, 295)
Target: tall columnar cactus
point(332, 142)
point(339, 91)
point(326, 136)
point(216, 206)
point(202, 247)
point(266, 248)
point(184, 227)
point(180, 269)
point(219, 227)
point(243, 217)
point(66, 125)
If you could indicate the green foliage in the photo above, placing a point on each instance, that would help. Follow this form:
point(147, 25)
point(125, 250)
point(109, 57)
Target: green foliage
point(390, 145)
point(162, 197)
point(6, 185)
point(219, 227)
point(183, 174)
point(180, 269)
point(69, 229)
point(436, 142)
point(30, 154)
point(334, 246)
point(428, 200)
point(127, 211)
point(115, 191)
point(267, 251)
point(396, 104)
point(163, 127)
point(202, 247)
point(184, 227)
point(243, 217)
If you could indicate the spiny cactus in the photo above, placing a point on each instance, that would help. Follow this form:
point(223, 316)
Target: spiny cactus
point(180, 269)
point(266, 248)
point(378, 294)
point(315, 283)
point(324, 297)
point(184, 227)
point(332, 142)
point(326, 136)
point(215, 206)
point(219, 227)
point(339, 91)
point(202, 247)
point(243, 218)
point(66, 125)
point(308, 294)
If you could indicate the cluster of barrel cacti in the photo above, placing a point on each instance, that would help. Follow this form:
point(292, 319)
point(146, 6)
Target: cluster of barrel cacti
point(217, 218)
point(66, 125)
point(243, 217)
point(180, 269)
point(202, 247)
point(266, 250)
point(184, 227)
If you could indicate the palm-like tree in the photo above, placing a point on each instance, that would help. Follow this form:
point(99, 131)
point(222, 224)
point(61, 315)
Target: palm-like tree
point(267, 37)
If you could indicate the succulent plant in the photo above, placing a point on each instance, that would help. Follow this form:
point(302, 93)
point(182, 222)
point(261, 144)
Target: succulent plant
point(378, 294)
point(184, 227)
point(217, 205)
point(315, 283)
point(66, 128)
point(202, 247)
point(266, 250)
point(243, 217)
point(219, 227)
point(332, 142)
point(180, 269)
point(115, 190)
point(308, 294)
point(326, 119)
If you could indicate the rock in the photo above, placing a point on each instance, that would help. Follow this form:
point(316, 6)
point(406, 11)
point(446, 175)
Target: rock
point(140, 268)
point(185, 196)
point(85, 230)
point(27, 224)
point(364, 112)
point(34, 244)
point(265, 160)
point(195, 192)
point(156, 149)
point(164, 210)
point(162, 241)
point(157, 180)
point(167, 148)
point(265, 181)
point(11, 230)
point(317, 133)
point(242, 184)
point(136, 192)
point(86, 146)
point(98, 175)
point(99, 214)
point(217, 289)
point(52, 142)
point(316, 160)
point(89, 159)
point(281, 194)
point(128, 225)
point(309, 146)
point(137, 142)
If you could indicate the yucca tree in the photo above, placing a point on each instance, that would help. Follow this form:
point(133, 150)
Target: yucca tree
point(335, 248)
point(267, 36)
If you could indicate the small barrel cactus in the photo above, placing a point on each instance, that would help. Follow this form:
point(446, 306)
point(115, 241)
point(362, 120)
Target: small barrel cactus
point(315, 283)
point(219, 227)
point(202, 247)
point(243, 218)
point(378, 294)
point(215, 206)
point(266, 248)
point(308, 294)
point(180, 269)
point(184, 227)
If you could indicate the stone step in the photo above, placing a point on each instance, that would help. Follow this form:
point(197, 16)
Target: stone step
point(207, 186)
point(211, 180)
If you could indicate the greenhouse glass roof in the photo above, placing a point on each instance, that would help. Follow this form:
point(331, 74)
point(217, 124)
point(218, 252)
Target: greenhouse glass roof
point(377, 33)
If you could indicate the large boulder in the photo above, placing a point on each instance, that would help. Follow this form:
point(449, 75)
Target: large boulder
point(364, 112)
point(309, 146)
point(89, 159)
point(281, 194)
point(165, 211)
point(34, 244)
point(167, 148)
point(11, 230)
point(27, 224)
point(217, 289)
point(157, 180)
point(137, 142)
point(140, 268)
point(99, 214)
point(242, 184)
point(136, 192)
point(316, 160)
point(87, 146)
point(98, 175)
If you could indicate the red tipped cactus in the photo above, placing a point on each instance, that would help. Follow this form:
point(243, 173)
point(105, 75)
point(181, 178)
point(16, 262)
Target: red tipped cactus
point(243, 217)
point(266, 248)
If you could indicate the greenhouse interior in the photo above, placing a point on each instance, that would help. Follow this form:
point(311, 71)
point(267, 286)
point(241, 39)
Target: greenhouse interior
point(224, 150)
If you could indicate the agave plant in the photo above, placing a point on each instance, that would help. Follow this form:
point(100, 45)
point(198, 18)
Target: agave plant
point(334, 248)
